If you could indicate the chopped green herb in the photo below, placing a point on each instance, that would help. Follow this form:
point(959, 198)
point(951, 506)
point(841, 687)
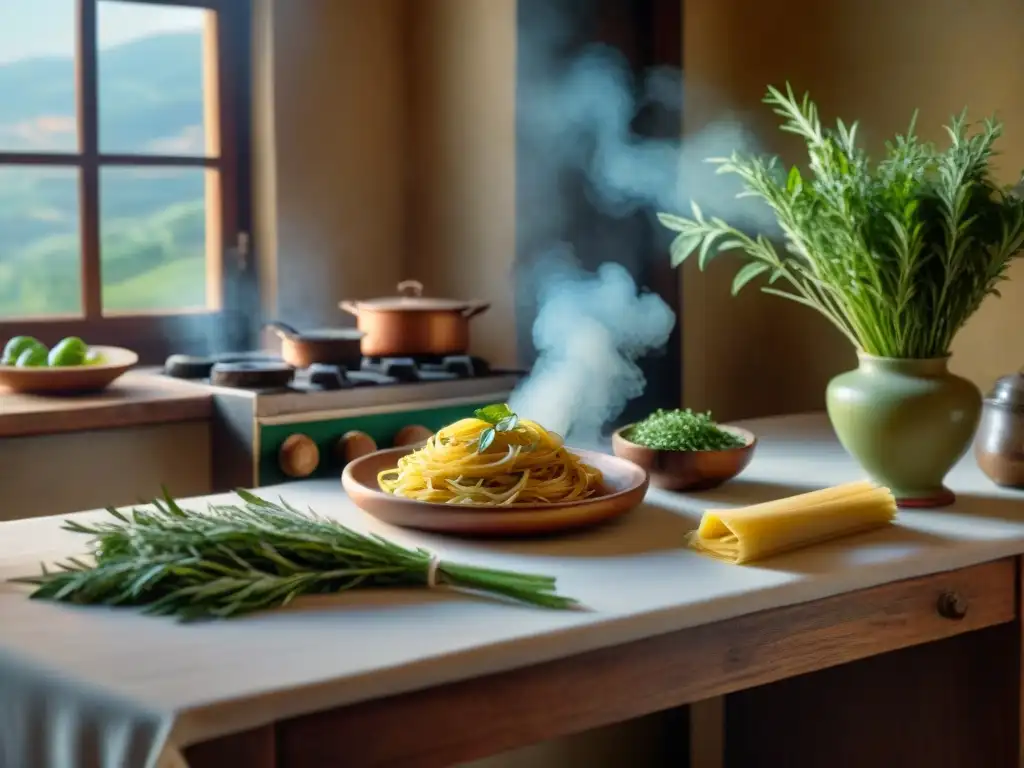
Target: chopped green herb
point(681, 430)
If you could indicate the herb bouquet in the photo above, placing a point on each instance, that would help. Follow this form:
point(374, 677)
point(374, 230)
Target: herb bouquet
point(239, 558)
point(897, 255)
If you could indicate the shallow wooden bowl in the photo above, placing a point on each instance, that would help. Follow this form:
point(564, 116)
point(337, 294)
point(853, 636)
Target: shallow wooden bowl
point(70, 379)
point(687, 470)
point(625, 486)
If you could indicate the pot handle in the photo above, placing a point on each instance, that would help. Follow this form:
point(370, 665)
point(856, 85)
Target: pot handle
point(350, 306)
point(475, 308)
point(411, 288)
point(283, 330)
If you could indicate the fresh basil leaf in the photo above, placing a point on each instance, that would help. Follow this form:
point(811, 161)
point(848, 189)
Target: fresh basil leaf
point(493, 414)
point(508, 423)
point(486, 438)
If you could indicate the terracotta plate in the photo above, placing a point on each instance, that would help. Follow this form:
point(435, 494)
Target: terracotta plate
point(72, 379)
point(625, 483)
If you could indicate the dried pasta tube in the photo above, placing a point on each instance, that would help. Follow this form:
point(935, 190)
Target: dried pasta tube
point(751, 533)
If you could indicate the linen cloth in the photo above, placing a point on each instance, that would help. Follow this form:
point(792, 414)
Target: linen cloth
point(106, 688)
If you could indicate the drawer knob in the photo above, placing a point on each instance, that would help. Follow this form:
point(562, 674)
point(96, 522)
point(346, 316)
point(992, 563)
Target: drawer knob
point(952, 606)
point(299, 456)
point(352, 445)
point(412, 434)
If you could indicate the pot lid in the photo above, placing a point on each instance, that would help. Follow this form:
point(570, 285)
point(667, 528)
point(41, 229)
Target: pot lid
point(1008, 391)
point(412, 298)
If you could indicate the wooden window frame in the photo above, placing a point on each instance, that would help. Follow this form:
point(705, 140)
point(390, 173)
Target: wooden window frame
point(155, 335)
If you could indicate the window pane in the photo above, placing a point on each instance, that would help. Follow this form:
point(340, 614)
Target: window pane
point(153, 230)
point(151, 75)
point(40, 253)
point(37, 76)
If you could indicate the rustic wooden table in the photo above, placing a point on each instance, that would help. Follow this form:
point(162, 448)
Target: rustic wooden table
point(921, 672)
point(898, 647)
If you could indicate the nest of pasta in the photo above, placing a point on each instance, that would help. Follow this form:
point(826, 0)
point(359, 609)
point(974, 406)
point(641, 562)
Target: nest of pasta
point(492, 463)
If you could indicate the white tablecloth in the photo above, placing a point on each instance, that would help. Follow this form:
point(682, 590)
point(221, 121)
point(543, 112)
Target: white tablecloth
point(102, 688)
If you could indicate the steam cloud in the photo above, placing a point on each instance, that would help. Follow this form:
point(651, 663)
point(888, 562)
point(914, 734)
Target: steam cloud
point(586, 371)
point(579, 117)
point(576, 116)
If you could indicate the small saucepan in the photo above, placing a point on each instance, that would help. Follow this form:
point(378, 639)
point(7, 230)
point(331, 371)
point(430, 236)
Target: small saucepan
point(411, 324)
point(331, 346)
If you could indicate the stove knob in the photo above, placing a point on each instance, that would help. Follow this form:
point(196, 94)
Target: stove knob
point(352, 445)
point(299, 456)
point(412, 434)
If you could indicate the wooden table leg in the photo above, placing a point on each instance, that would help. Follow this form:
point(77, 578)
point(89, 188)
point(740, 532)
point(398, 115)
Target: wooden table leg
point(249, 749)
point(948, 704)
point(707, 733)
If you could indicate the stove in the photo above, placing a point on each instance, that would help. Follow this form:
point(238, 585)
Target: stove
point(273, 423)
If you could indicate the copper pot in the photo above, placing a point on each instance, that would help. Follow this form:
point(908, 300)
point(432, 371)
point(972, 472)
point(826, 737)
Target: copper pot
point(334, 346)
point(412, 325)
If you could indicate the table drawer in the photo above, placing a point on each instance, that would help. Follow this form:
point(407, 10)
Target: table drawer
point(789, 641)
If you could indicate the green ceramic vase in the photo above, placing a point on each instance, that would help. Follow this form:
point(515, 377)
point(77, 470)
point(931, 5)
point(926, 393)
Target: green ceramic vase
point(907, 422)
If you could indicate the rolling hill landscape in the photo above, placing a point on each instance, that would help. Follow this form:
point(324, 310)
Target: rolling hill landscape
point(152, 219)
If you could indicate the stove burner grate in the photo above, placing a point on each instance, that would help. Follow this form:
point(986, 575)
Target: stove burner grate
point(200, 366)
point(263, 371)
point(254, 374)
point(326, 377)
point(407, 369)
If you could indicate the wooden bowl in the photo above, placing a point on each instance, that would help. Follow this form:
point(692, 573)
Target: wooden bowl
point(625, 485)
point(70, 379)
point(687, 470)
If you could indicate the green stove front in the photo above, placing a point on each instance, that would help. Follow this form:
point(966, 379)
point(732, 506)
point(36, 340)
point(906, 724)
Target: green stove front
point(302, 446)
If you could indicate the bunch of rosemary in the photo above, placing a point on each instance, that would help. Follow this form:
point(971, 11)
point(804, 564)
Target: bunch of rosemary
point(255, 555)
point(897, 254)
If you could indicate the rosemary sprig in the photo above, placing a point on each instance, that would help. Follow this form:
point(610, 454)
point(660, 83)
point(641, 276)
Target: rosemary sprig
point(240, 558)
point(897, 254)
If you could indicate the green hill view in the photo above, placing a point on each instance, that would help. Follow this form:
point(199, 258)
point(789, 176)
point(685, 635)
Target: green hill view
point(152, 219)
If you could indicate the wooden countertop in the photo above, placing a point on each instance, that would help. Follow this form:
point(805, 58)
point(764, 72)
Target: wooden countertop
point(139, 397)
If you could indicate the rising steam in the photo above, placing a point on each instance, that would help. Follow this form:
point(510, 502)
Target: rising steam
point(576, 115)
point(589, 332)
